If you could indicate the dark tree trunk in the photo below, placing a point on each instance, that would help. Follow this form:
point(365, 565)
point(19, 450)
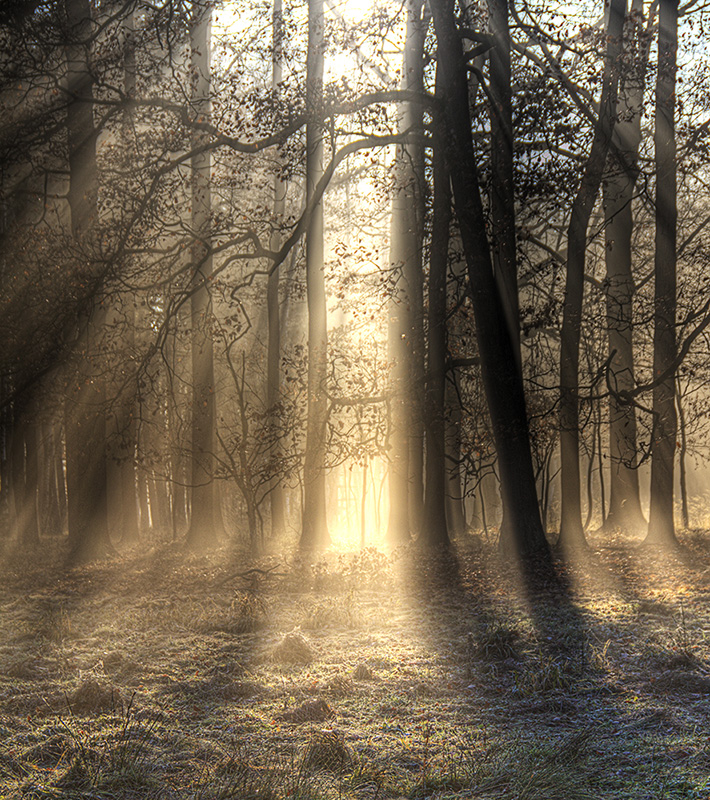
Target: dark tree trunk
point(455, 517)
point(434, 528)
point(314, 525)
point(661, 526)
point(501, 379)
point(25, 477)
point(502, 192)
point(273, 370)
point(413, 81)
point(205, 519)
point(50, 504)
point(571, 530)
point(85, 420)
point(127, 427)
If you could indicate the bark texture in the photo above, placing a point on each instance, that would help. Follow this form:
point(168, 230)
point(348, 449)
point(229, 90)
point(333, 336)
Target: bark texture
point(571, 529)
point(502, 380)
point(661, 526)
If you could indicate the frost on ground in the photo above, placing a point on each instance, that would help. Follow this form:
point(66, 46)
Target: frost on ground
point(360, 676)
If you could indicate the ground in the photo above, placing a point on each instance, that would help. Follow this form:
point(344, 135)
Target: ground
point(172, 675)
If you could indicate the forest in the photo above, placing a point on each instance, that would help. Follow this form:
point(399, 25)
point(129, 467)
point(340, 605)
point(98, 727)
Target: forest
point(353, 399)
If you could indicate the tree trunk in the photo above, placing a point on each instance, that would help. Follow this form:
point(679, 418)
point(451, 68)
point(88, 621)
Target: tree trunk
point(127, 423)
point(25, 477)
point(412, 120)
point(682, 458)
point(455, 517)
point(618, 187)
point(50, 505)
point(273, 369)
point(434, 528)
point(405, 328)
point(85, 421)
point(501, 379)
point(661, 526)
point(571, 530)
point(314, 525)
point(502, 192)
point(204, 521)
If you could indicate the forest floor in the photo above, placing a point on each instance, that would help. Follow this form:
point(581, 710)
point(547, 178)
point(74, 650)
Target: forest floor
point(166, 675)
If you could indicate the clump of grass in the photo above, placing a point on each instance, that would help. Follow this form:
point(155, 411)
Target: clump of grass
point(54, 622)
point(548, 770)
point(311, 711)
point(523, 769)
point(494, 642)
point(340, 686)
point(547, 676)
point(326, 750)
point(239, 778)
point(363, 673)
point(599, 657)
point(94, 697)
point(294, 648)
point(118, 762)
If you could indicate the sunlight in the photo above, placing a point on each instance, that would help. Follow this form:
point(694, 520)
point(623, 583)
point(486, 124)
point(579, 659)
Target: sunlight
point(347, 348)
point(359, 506)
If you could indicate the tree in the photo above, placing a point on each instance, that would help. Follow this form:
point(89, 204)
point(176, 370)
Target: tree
point(434, 529)
point(502, 380)
point(205, 517)
point(85, 421)
point(125, 433)
point(661, 526)
point(273, 369)
point(571, 529)
point(314, 526)
point(502, 192)
point(405, 332)
point(618, 191)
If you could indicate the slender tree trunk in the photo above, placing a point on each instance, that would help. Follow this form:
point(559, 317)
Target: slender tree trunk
point(661, 525)
point(590, 482)
point(273, 369)
point(501, 379)
point(502, 184)
point(363, 504)
point(600, 458)
point(405, 327)
point(85, 420)
point(682, 458)
point(127, 423)
point(50, 504)
point(571, 529)
point(502, 193)
point(455, 517)
point(618, 188)
point(144, 503)
point(25, 478)
point(204, 521)
point(434, 530)
point(314, 525)
point(412, 120)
